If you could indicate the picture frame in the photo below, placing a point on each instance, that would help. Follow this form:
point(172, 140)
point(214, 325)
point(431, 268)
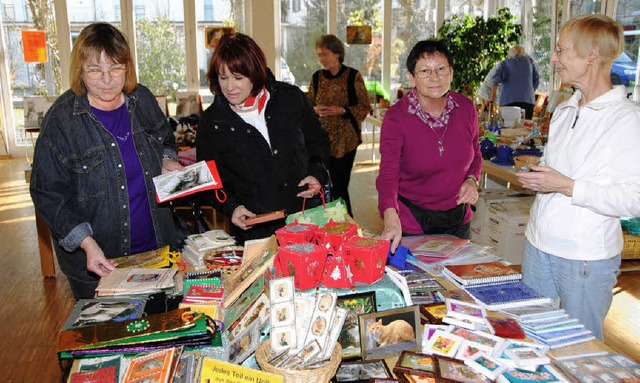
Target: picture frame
point(383, 380)
point(527, 356)
point(486, 365)
point(415, 363)
point(451, 370)
point(443, 343)
point(245, 343)
point(466, 310)
point(469, 350)
point(212, 35)
point(188, 103)
point(359, 34)
point(362, 371)
point(434, 312)
point(481, 337)
point(387, 333)
point(355, 304)
point(281, 290)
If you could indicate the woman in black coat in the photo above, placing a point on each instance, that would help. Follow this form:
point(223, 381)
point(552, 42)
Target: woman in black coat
point(264, 136)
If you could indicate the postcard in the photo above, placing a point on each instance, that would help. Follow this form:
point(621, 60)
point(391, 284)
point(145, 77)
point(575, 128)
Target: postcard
point(443, 343)
point(194, 178)
point(527, 356)
point(466, 310)
point(281, 290)
point(415, 363)
point(486, 365)
point(355, 304)
point(469, 350)
point(388, 333)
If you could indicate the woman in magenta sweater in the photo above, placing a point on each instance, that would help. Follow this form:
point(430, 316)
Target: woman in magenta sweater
point(430, 154)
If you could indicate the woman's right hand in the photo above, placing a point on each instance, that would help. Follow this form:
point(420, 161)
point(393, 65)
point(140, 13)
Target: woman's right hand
point(96, 261)
point(239, 217)
point(392, 228)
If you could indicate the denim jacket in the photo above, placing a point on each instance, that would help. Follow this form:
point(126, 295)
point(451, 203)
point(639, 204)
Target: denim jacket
point(78, 181)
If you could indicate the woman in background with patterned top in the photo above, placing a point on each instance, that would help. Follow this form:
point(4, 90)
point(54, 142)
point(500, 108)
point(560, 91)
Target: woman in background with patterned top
point(430, 154)
point(341, 100)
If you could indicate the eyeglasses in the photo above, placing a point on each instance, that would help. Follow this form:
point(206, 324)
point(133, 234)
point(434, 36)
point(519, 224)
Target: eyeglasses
point(98, 73)
point(426, 73)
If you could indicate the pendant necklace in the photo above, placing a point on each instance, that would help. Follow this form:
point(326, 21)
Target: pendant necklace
point(440, 139)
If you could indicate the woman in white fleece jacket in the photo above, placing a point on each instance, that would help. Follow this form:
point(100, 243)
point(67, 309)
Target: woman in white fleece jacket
point(588, 179)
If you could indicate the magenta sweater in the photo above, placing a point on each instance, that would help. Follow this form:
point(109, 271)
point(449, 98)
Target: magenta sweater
point(412, 167)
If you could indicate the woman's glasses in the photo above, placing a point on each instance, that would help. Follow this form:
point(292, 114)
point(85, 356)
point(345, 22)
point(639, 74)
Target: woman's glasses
point(426, 73)
point(96, 73)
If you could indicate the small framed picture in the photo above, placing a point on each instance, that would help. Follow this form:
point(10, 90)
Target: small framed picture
point(415, 378)
point(481, 337)
point(212, 35)
point(466, 310)
point(355, 304)
point(245, 344)
point(359, 34)
point(544, 373)
point(387, 333)
point(282, 314)
point(449, 369)
point(434, 312)
point(443, 343)
point(362, 371)
point(469, 349)
point(281, 290)
point(415, 363)
point(282, 338)
point(527, 356)
point(486, 365)
point(383, 380)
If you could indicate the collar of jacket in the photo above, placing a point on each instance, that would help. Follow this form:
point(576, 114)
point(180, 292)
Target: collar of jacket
point(81, 103)
point(600, 102)
point(221, 101)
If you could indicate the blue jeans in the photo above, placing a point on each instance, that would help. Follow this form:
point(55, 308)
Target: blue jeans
point(585, 288)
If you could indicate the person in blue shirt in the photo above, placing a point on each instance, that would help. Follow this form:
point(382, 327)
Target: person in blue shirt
point(519, 78)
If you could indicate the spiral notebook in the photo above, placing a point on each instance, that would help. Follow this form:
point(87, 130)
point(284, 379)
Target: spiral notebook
point(481, 273)
point(497, 296)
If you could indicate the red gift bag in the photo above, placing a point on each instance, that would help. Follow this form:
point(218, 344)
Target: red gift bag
point(337, 272)
point(333, 234)
point(296, 233)
point(368, 257)
point(305, 262)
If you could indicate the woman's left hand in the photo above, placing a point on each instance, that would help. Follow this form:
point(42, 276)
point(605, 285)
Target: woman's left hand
point(169, 165)
point(545, 179)
point(468, 192)
point(314, 187)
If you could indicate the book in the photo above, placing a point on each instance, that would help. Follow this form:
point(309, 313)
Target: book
point(505, 327)
point(100, 375)
point(583, 349)
point(480, 273)
point(186, 369)
point(577, 339)
point(156, 366)
point(533, 311)
point(503, 295)
point(457, 294)
point(602, 368)
point(180, 183)
point(87, 312)
point(558, 335)
point(126, 281)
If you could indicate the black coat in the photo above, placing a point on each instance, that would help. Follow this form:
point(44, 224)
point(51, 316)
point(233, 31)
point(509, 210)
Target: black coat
point(264, 178)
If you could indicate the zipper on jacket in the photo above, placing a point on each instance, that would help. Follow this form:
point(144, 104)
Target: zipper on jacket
point(576, 119)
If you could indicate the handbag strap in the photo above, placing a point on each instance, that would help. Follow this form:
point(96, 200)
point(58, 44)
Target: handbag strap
point(317, 187)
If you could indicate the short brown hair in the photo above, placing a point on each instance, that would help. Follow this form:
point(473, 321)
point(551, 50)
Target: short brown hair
point(588, 31)
point(91, 42)
point(332, 43)
point(241, 55)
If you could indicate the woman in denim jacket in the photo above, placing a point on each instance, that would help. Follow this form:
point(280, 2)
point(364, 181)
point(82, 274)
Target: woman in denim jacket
point(100, 145)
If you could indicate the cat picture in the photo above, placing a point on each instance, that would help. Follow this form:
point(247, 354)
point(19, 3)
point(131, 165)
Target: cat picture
point(395, 332)
point(355, 304)
point(387, 333)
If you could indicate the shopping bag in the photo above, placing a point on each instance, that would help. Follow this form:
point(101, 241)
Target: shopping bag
point(320, 215)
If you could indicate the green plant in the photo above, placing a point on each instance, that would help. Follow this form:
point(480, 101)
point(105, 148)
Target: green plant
point(477, 44)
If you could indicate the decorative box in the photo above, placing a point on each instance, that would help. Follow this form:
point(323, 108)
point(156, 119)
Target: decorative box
point(333, 234)
point(304, 262)
point(296, 233)
point(337, 272)
point(368, 257)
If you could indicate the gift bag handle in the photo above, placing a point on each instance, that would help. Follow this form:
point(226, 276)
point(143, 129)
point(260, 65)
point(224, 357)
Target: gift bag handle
point(317, 187)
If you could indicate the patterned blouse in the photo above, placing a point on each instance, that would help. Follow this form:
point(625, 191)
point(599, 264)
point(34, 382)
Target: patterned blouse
point(332, 90)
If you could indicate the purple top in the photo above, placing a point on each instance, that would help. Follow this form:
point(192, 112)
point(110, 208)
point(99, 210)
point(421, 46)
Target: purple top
point(411, 164)
point(117, 122)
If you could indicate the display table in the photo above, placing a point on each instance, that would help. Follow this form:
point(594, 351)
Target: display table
point(505, 173)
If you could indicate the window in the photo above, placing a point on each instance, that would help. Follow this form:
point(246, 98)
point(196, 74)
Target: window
point(296, 5)
point(625, 68)
point(139, 12)
point(8, 12)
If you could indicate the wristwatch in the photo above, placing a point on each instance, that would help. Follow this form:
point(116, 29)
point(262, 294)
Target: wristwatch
point(474, 179)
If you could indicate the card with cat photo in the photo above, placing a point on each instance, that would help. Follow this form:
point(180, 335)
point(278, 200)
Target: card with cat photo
point(387, 333)
point(355, 304)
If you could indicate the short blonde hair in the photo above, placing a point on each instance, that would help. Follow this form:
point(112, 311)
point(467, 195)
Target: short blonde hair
point(516, 50)
point(589, 31)
point(91, 42)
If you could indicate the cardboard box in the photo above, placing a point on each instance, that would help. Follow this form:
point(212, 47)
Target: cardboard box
point(487, 198)
point(506, 224)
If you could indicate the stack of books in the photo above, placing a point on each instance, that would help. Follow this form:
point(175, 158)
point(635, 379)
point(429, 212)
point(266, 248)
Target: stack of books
point(550, 326)
point(199, 246)
point(136, 281)
point(494, 285)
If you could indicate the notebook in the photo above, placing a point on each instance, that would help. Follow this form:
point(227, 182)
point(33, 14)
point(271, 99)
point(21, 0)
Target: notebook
point(499, 296)
point(481, 273)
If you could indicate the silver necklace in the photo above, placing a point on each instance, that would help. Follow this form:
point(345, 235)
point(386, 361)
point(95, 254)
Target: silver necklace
point(440, 139)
